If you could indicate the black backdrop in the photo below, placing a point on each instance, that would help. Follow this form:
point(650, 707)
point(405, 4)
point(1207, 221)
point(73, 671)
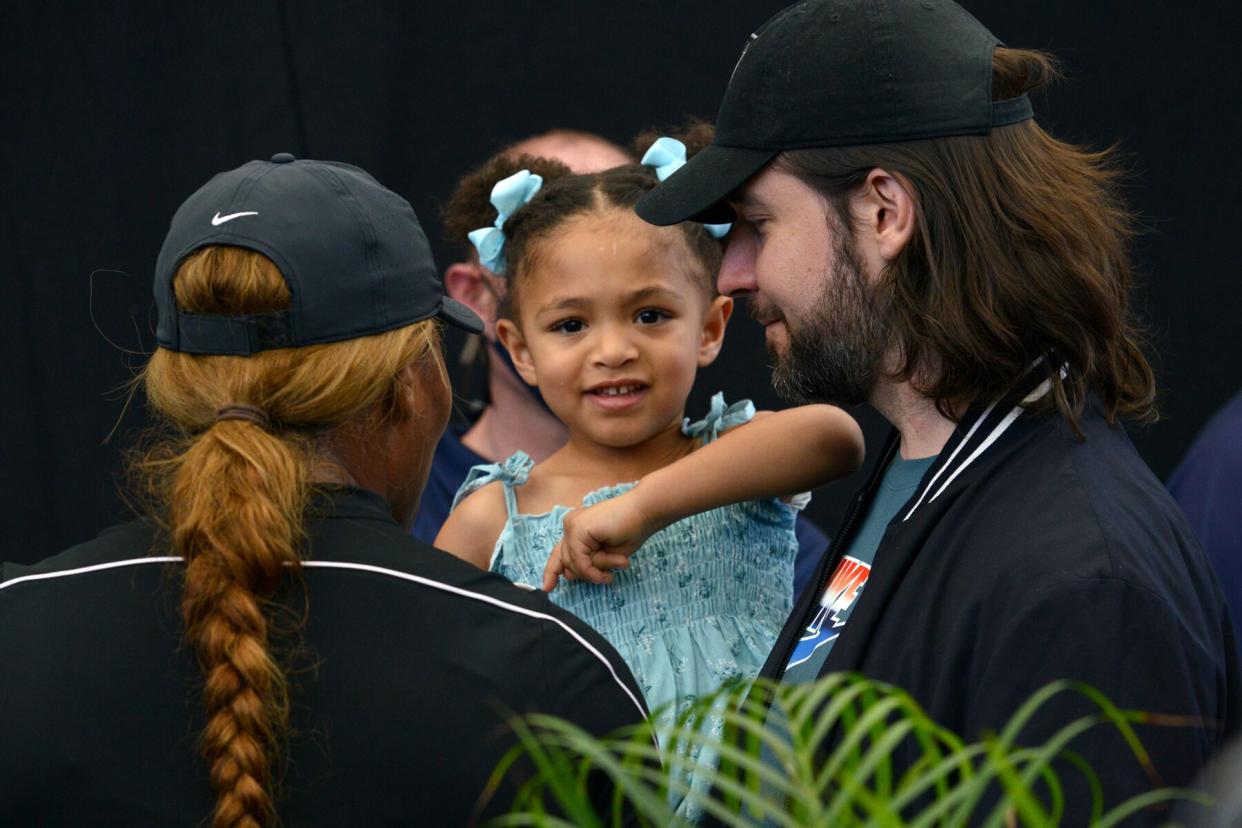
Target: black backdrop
point(112, 116)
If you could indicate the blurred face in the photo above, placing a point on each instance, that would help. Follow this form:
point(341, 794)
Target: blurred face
point(613, 327)
point(794, 259)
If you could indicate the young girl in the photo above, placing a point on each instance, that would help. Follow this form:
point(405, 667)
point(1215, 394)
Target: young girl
point(611, 317)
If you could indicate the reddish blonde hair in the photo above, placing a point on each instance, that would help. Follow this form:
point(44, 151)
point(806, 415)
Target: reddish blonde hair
point(232, 495)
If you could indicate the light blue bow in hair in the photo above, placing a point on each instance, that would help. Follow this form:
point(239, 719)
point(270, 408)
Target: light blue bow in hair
point(507, 196)
point(668, 155)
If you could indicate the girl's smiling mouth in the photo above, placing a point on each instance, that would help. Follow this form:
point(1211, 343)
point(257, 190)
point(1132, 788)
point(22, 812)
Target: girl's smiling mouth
point(616, 395)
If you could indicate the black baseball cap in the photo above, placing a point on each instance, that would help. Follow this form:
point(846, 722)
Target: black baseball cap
point(832, 73)
point(352, 252)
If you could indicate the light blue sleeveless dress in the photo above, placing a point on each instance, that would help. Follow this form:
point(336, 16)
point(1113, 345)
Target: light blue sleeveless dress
point(702, 600)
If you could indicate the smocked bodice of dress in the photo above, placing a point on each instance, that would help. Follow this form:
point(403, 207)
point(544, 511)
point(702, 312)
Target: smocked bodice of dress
point(702, 600)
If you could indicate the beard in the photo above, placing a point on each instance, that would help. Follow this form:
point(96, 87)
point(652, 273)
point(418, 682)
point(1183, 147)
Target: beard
point(835, 352)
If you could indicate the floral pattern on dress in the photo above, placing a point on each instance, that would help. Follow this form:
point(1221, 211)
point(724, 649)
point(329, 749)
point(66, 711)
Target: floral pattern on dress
point(703, 599)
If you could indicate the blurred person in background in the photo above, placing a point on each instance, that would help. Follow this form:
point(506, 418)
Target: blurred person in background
point(1208, 487)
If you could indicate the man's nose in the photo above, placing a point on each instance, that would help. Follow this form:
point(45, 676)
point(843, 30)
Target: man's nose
point(737, 269)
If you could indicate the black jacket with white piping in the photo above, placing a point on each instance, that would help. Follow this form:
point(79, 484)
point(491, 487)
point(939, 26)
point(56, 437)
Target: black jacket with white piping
point(1026, 556)
point(403, 677)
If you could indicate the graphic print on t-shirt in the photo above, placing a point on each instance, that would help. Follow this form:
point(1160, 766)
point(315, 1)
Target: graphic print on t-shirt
point(834, 609)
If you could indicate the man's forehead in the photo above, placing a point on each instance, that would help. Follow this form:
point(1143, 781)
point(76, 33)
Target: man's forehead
point(744, 197)
point(768, 188)
point(757, 191)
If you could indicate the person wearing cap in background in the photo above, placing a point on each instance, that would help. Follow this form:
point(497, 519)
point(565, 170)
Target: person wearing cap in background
point(270, 644)
point(910, 237)
point(514, 416)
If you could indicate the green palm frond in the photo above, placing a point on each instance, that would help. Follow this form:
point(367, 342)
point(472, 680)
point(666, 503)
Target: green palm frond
point(818, 754)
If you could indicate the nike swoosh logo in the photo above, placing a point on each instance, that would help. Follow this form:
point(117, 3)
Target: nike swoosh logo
point(218, 219)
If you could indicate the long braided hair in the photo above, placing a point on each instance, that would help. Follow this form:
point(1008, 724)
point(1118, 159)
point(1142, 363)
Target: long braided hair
point(231, 495)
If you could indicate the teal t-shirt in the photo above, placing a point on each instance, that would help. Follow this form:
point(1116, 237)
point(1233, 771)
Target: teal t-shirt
point(829, 616)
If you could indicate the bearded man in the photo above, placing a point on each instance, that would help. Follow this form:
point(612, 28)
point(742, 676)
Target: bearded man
point(909, 236)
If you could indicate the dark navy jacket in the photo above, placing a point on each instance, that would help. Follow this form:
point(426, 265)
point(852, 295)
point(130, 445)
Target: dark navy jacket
point(1027, 556)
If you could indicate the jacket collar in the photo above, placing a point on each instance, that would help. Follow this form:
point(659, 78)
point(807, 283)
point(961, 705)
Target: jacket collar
point(972, 443)
point(349, 502)
point(976, 444)
point(978, 431)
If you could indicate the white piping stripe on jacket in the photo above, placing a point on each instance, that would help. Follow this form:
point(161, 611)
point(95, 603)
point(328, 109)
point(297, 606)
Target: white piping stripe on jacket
point(84, 569)
point(948, 462)
point(1009, 419)
point(1043, 388)
point(991, 438)
point(364, 568)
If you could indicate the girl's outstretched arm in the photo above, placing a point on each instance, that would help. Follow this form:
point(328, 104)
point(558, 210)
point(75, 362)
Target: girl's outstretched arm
point(472, 528)
point(776, 454)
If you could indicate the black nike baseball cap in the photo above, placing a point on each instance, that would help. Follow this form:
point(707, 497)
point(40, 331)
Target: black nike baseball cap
point(352, 252)
point(832, 73)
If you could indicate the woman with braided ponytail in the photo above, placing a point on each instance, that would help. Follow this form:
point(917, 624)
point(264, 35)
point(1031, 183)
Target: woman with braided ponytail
point(269, 644)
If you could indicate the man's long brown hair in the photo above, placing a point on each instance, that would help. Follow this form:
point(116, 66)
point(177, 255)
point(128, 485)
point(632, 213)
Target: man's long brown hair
point(1020, 252)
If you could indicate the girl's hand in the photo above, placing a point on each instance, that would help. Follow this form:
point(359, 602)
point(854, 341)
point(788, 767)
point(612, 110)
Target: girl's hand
point(599, 539)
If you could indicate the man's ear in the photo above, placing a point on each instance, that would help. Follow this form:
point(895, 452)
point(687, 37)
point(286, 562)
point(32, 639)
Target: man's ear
point(467, 283)
point(714, 323)
point(510, 336)
point(885, 215)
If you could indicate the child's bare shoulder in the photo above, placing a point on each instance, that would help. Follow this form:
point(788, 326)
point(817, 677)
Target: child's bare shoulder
point(474, 525)
point(485, 506)
point(549, 484)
